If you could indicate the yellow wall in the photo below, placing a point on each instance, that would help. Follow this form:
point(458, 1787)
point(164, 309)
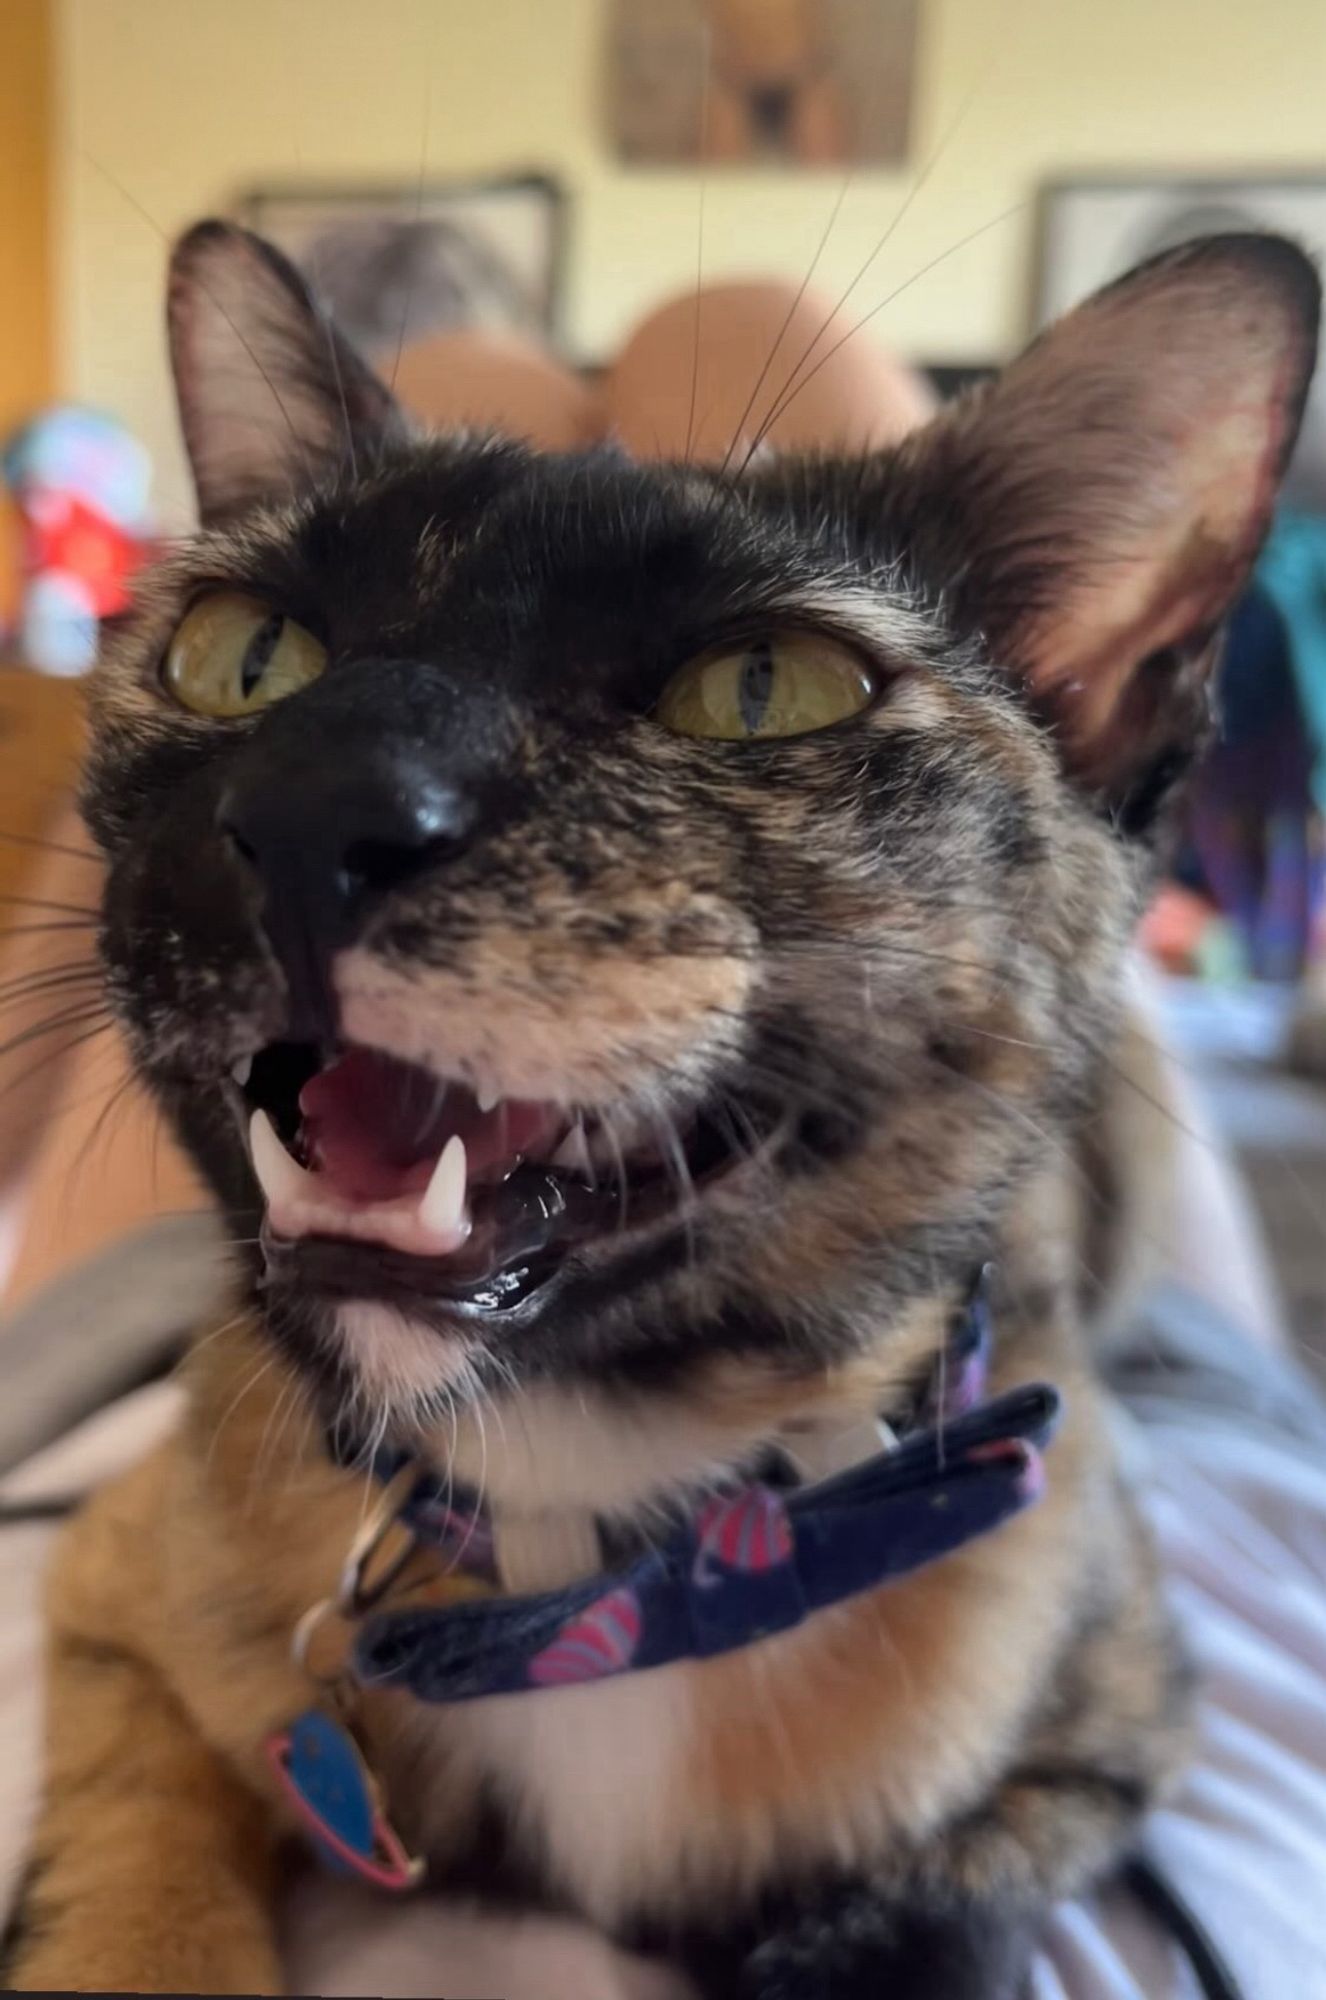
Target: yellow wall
point(25, 219)
point(188, 102)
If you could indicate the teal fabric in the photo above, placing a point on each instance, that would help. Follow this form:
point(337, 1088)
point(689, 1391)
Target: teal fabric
point(1292, 571)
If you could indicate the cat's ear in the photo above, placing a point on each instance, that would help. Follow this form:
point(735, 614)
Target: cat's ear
point(1096, 512)
point(271, 397)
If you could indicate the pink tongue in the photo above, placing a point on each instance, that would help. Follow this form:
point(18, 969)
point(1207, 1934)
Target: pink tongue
point(375, 1127)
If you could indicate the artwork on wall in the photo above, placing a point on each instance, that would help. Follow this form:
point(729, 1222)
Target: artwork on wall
point(808, 83)
point(395, 265)
point(1091, 231)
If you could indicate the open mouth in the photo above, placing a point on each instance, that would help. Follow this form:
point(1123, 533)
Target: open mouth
point(478, 1198)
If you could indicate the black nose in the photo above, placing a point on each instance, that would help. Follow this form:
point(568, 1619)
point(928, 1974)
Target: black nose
point(327, 841)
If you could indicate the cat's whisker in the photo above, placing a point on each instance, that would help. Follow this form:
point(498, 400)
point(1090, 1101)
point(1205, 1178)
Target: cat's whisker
point(42, 844)
point(33, 985)
point(81, 910)
point(218, 305)
point(251, 1381)
point(77, 1016)
point(324, 320)
point(678, 1171)
point(781, 334)
point(424, 145)
point(608, 1126)
point(918, 183)
point(706, 73)
point(49, 1116)
point(781, 407)
point(117, 1098)
point(88, 925)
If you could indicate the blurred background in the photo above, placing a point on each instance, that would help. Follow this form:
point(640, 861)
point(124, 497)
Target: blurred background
point(553, 174)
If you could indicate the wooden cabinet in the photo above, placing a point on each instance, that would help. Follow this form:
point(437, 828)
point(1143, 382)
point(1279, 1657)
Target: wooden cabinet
point(83, 1157)
point(40, 734)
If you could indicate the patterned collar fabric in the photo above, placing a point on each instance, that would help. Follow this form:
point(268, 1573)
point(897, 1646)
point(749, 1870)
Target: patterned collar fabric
point(755, 1559)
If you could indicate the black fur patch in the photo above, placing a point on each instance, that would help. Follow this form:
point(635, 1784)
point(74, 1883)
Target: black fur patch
point(847, 1940)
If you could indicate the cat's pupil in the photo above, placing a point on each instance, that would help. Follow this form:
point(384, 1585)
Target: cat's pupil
point(258, 652)
point(755, 684)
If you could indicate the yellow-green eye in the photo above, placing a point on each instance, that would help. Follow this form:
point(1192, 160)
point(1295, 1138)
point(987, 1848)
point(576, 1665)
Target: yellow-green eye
point(233, 655)
point(784, 686)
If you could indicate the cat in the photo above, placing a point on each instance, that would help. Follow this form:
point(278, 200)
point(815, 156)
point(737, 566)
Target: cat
point(634, 950)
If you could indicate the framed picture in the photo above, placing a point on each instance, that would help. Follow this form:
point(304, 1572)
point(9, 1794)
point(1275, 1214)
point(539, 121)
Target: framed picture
point(800, 83)
point(1091, 231)
point(397, 264)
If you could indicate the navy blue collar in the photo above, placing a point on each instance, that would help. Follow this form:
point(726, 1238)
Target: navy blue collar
point(751, 1563)
point(753, 1560)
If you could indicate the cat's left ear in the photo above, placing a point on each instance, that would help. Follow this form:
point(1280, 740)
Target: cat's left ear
point(271, 397)
point(1096, 512)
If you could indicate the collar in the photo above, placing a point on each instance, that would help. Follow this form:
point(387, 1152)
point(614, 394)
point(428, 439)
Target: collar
point(751, 1560)
point(534, 1552)
point(755, 1559)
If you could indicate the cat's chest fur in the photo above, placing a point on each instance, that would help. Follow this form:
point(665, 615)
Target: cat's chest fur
point(586, 1785)
point(666, 1789)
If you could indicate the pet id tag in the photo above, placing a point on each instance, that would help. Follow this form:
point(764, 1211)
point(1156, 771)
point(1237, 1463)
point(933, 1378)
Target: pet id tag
point(324, 1778)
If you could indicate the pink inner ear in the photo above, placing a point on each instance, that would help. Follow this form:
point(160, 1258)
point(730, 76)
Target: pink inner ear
point(1181, 577)
point(1144, 438)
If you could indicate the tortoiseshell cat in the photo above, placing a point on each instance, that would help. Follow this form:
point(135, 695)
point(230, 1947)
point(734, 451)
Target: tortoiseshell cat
point(628, 945)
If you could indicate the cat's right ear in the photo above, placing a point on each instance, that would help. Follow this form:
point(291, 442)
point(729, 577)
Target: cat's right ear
point(271, 397)
point(1096, 512)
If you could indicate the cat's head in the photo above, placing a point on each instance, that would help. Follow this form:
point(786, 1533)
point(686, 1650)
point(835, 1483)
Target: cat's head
point(657, 918)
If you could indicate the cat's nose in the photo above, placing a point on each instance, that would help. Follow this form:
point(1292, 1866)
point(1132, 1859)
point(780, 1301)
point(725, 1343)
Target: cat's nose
point(326, 846)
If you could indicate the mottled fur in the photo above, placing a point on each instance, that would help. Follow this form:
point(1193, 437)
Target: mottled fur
point(904, 935)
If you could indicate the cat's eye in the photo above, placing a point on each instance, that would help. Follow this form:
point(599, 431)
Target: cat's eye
point(787, 685)
point(233, 655)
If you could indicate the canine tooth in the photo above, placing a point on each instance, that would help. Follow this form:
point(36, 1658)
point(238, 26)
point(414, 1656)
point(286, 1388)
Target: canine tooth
point(443, 1206)
point(487, 1095)
point(573, 1153)
point(242, 1070)
point(278, 1175)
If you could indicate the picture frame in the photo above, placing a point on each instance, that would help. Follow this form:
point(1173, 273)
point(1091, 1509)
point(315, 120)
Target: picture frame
point(395, 263)
point(808, 84)
point(1090, 229)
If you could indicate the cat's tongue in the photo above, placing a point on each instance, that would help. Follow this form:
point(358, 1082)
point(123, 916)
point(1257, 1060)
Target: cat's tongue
point(375, 1127)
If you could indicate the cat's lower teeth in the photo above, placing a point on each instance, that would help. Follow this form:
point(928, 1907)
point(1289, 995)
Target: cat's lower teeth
point(476, 1195)
point(303, 1203)
point(522, 1211)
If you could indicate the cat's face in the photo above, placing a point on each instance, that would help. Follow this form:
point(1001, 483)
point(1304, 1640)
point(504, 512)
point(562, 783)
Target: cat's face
point(655, 916)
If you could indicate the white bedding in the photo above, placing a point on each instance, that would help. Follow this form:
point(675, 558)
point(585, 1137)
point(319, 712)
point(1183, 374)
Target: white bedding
point(1234, 1468)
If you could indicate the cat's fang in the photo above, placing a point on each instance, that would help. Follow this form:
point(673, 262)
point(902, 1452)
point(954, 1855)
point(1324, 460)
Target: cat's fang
point(280, 1177)
point(442, 1210)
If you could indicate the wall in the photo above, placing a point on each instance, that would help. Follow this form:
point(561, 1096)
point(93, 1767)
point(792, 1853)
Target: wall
point(26, 360)
point(171, 107)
